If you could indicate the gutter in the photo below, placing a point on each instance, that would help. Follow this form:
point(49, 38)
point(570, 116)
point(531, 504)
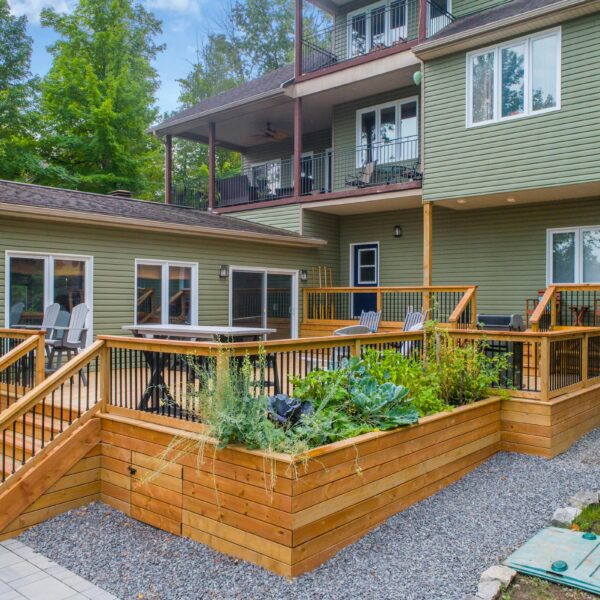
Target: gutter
point(447, 44)
point(51, 214)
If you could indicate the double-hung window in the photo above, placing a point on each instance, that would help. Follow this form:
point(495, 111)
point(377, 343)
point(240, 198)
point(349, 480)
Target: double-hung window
point(574, 255)
point(166, 293)
point(377, 26)
point(515, 79)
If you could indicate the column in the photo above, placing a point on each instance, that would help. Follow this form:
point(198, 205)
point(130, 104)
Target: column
point(168, 169)
point(212, 161)
point(297, 146)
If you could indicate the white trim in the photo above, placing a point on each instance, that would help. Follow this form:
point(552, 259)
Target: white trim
point(496, 50)
point(430, 21)
point(578, 272)
point(352, 246)
point(164, 289)
point(49, 258)
point(264, 271)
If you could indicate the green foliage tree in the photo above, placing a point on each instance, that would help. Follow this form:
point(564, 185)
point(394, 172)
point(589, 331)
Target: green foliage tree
point(18, 95)
point(98, 97)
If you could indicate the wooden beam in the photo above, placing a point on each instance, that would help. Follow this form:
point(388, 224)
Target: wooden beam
point(297, 146)
point(422, 20)
point(298, 40)
point(168, 169)
point(427, 243)
point(211, 164)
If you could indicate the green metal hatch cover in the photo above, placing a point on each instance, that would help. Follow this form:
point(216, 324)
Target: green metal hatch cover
point(568, 557)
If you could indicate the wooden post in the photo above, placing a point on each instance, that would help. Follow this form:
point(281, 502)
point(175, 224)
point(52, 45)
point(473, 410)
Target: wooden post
point(298, 40)
point(545, 368)
point(427, 252)
point(553, 310)
point(474, 311)
point(105, 368)
point(422, 20)
point(355, 348)
point(298, 149)
point(211, 165)
point(40, 358)
point(168, 169)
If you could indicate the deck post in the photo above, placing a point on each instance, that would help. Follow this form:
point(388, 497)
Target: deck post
point(297, 147)
point(105, 368)
point(427, 252)
point(40, 358)
point(298, 40)
point(211, 164)
point(168, 169)
point(422, 20)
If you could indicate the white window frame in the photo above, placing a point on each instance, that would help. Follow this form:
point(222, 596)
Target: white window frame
point(527, 41)
point(387, 29)
point(164, 287)
point(264, 271)
point(352, 246)
point(578, 231)
point(49, 258)
point(276, 161)
point(377, 108)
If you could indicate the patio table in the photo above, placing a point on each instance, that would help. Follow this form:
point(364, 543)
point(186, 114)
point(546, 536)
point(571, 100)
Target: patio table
point(156, 388)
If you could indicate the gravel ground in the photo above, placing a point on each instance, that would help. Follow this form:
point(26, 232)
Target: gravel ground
point(434, 550)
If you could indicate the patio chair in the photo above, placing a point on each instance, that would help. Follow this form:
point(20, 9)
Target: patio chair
point(72, 339)
point(368, 323)
point(16, 310)
point(364, 177)
point(51, 313)
point(414, 321)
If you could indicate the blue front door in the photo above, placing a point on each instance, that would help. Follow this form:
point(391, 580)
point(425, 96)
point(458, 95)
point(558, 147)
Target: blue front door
point(365, 273)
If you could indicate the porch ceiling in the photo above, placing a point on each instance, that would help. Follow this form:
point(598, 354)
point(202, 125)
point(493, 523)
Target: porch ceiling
point(548, 194)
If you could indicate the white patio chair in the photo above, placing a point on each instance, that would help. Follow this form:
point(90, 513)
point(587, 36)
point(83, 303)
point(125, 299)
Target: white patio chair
point(16, 310)
point(72, 339)
point(368, 323)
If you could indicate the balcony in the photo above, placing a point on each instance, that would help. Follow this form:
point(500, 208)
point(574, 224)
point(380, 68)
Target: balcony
point(365, 169)
point(371, 32)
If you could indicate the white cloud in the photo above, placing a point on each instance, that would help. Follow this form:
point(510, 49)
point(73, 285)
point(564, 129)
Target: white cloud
point(32, 8)
point(180, 6)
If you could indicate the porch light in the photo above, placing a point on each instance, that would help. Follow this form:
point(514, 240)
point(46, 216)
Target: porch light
point(224, 271)
point(397, 231)
point(417, 77)
point(303, 275)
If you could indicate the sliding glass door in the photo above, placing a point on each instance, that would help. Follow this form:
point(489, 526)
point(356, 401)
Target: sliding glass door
point(264, 298)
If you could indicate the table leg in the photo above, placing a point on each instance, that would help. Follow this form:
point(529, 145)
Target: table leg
point(157, 389)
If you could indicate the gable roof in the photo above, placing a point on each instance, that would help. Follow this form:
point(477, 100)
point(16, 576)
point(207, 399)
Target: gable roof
point(40, 202)
point(269, 83)
point(513, 17)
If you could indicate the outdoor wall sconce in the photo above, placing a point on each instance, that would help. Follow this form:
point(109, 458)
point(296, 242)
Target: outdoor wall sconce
point(397, 231)
point(417, 77)
point(303, 275)
point(224, 271)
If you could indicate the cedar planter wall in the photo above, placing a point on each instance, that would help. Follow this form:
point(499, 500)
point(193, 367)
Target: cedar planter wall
point(312, 512)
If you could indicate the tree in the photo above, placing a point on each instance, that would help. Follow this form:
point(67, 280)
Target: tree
point(18, 95)
point(98, 99)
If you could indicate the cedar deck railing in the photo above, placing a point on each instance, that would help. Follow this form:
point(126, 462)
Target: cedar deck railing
point(567, 306)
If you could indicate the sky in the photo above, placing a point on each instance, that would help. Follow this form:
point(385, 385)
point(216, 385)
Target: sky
point(184, 22)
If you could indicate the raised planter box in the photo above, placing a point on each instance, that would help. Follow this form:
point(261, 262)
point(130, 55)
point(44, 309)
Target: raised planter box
point(289, 517)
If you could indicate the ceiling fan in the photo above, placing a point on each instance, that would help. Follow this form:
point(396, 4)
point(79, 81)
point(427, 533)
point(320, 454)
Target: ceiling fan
point(270, 134)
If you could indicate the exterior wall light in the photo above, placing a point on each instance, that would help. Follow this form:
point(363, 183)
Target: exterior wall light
point(303, 275)
point(417, 77)
point(397, 231)
point(224, 271)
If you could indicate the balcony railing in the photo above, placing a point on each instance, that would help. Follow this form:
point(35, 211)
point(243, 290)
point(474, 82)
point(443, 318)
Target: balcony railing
point(188, 197)
point(368, 31)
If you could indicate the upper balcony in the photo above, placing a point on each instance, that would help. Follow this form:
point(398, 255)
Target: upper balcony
point(367, 31)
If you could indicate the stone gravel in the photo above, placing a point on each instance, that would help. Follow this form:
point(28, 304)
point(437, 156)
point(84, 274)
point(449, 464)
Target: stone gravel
point(435, 550)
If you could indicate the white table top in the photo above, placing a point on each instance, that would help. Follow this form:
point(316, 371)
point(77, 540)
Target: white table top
point(198, 331)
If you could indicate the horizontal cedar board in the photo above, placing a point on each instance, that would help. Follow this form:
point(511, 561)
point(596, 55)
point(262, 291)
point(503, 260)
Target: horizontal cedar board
point(144, 476)
point(66, 495)
point(525, 449)
point(162, 466)
point(123, 506)
point(123, 481)
point(74, 479)
point(244, 522)
point(153, 490)
point(358, 478)
point(238, 503)
point(156, 520)
point(154, 505)
point(115, 491)
point(363, 462)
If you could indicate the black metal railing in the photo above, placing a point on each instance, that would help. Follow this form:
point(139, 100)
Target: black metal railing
point(368, 31)
point(188, 197)
point(578, 308)
point(17, 379)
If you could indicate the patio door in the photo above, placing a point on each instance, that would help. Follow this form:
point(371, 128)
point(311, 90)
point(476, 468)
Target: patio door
point(264, 298)
point(364, 273)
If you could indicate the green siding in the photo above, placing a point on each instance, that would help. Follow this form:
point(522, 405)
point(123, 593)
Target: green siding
point(326, 227)
point(460, 8)
point(556, 148)
point(115, 250)
point(285, 217)
point(503, 250)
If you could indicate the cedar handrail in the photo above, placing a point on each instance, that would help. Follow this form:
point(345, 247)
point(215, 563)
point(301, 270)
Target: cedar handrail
point(407, 288)
point(18, 352)
point(32, 340)
point(542, 307)
point(468, 298)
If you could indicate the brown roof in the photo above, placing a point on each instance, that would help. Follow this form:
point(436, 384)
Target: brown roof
point(40, 201)
point(271, 81)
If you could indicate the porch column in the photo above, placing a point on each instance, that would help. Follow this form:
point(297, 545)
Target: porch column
point(298, 40)
point(168, 169)
point(427, 243)
point(422, 20)
point(211, 165)
point(297, 146)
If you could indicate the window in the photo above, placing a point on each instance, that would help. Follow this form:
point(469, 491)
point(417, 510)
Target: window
point(166, 293)
point(267, 176)
point(34, 281)
point(574, 255)
point(516, 79)
point(377, 26)
point(387, 133)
